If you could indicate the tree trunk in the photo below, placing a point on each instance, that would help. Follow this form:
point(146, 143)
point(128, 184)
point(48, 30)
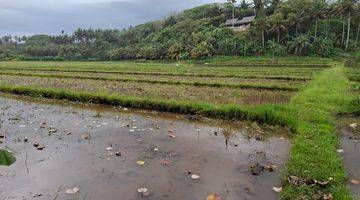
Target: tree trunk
point(316, 28)
point(348, 32)
point(296, 30)
point(233, 14)
point(343, 32)
point(263, 38)
point(357, 35)
point(278, 35)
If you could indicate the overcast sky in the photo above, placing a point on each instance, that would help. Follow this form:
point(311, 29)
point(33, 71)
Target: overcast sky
point(24, 17)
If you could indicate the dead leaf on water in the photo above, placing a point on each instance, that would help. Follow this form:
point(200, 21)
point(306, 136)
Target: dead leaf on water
point(340, 150)
point(213, 197)
point(140, 162)
point(144, 192)
point(354, 125)
point(277, 189)
point(195, 177)
point(72, 191)
point(355, 182)
point(86, 136)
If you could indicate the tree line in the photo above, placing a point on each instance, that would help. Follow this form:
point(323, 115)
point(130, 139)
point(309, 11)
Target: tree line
point(291, 27)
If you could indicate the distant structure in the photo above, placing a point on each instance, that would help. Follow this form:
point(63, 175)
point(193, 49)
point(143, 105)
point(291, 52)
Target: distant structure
point(240, 25)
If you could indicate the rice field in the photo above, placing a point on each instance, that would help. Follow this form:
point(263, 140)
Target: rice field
point(300, 96)
point(240, 84)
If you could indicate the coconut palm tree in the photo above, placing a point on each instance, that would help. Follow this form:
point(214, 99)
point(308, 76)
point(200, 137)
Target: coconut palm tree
point(346, 8)
point(277, 24)
point(318, 11)
point(233, 10)
point(297, 20)
point(299, 44)
point(263, 24)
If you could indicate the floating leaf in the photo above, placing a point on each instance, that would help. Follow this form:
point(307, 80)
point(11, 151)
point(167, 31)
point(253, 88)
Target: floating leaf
point(354, 125)
point(72, 191)
point(140, 162)
point(355, 182)
point(213, 197)
point(195, 177)
point(6, 158)
point(277, 189)
point(340, 150)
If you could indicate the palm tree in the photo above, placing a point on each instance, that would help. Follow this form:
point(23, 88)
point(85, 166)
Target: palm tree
point(300, 44)
point(297, 20)
point(357, 21)
point(233, 10)
point(318, 12)
point(263, 24)
point(346, 7)
point(259, 8)
point(277, 24)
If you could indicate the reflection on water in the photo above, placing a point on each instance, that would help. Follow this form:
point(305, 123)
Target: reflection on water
point(98, 150)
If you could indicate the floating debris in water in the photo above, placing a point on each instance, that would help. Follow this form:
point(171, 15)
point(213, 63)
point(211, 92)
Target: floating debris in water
point(72, 191)
point(144, 192)
point(256, 169)
point(340, 150)
point(354, 125)
point(195, 177)
point(213, 197)
point(277, 189)
point(140, 162)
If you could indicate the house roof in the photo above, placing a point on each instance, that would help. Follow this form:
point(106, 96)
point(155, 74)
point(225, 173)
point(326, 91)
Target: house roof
point(236, 21)
point(246, 20)
point(231, 21)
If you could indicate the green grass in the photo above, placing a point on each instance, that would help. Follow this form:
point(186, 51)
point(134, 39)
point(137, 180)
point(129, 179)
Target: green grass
point(259, 86)
point(314, 155)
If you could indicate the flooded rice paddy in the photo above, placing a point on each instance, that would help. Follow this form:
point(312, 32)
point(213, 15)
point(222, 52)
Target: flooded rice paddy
point(350, 151)
point(158, 91)
point(109, 153)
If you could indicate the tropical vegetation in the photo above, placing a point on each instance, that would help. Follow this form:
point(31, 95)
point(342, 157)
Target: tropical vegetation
point(291, 27)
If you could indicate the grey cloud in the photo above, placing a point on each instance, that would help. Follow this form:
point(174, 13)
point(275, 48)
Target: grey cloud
point(50, 17)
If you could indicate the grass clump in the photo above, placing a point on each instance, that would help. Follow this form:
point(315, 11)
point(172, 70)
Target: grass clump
point(314, 155)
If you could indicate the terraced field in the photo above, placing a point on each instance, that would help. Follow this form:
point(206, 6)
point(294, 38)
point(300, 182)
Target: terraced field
point(301, 96)
point(218, 84)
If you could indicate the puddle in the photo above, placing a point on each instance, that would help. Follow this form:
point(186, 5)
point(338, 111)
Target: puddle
point(83, 143)
point(350, 143)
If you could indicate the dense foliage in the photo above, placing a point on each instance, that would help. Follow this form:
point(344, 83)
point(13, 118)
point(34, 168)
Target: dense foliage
point(292, 27)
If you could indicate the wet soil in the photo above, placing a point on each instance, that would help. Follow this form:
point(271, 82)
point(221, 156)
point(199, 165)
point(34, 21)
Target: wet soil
point(83, 144)
point(350, 143)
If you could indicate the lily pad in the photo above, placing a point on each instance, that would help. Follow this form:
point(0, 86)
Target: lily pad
point(6, 158)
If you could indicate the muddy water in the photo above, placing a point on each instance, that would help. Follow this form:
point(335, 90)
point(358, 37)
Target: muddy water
point(81, 141)
point(350, 142)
